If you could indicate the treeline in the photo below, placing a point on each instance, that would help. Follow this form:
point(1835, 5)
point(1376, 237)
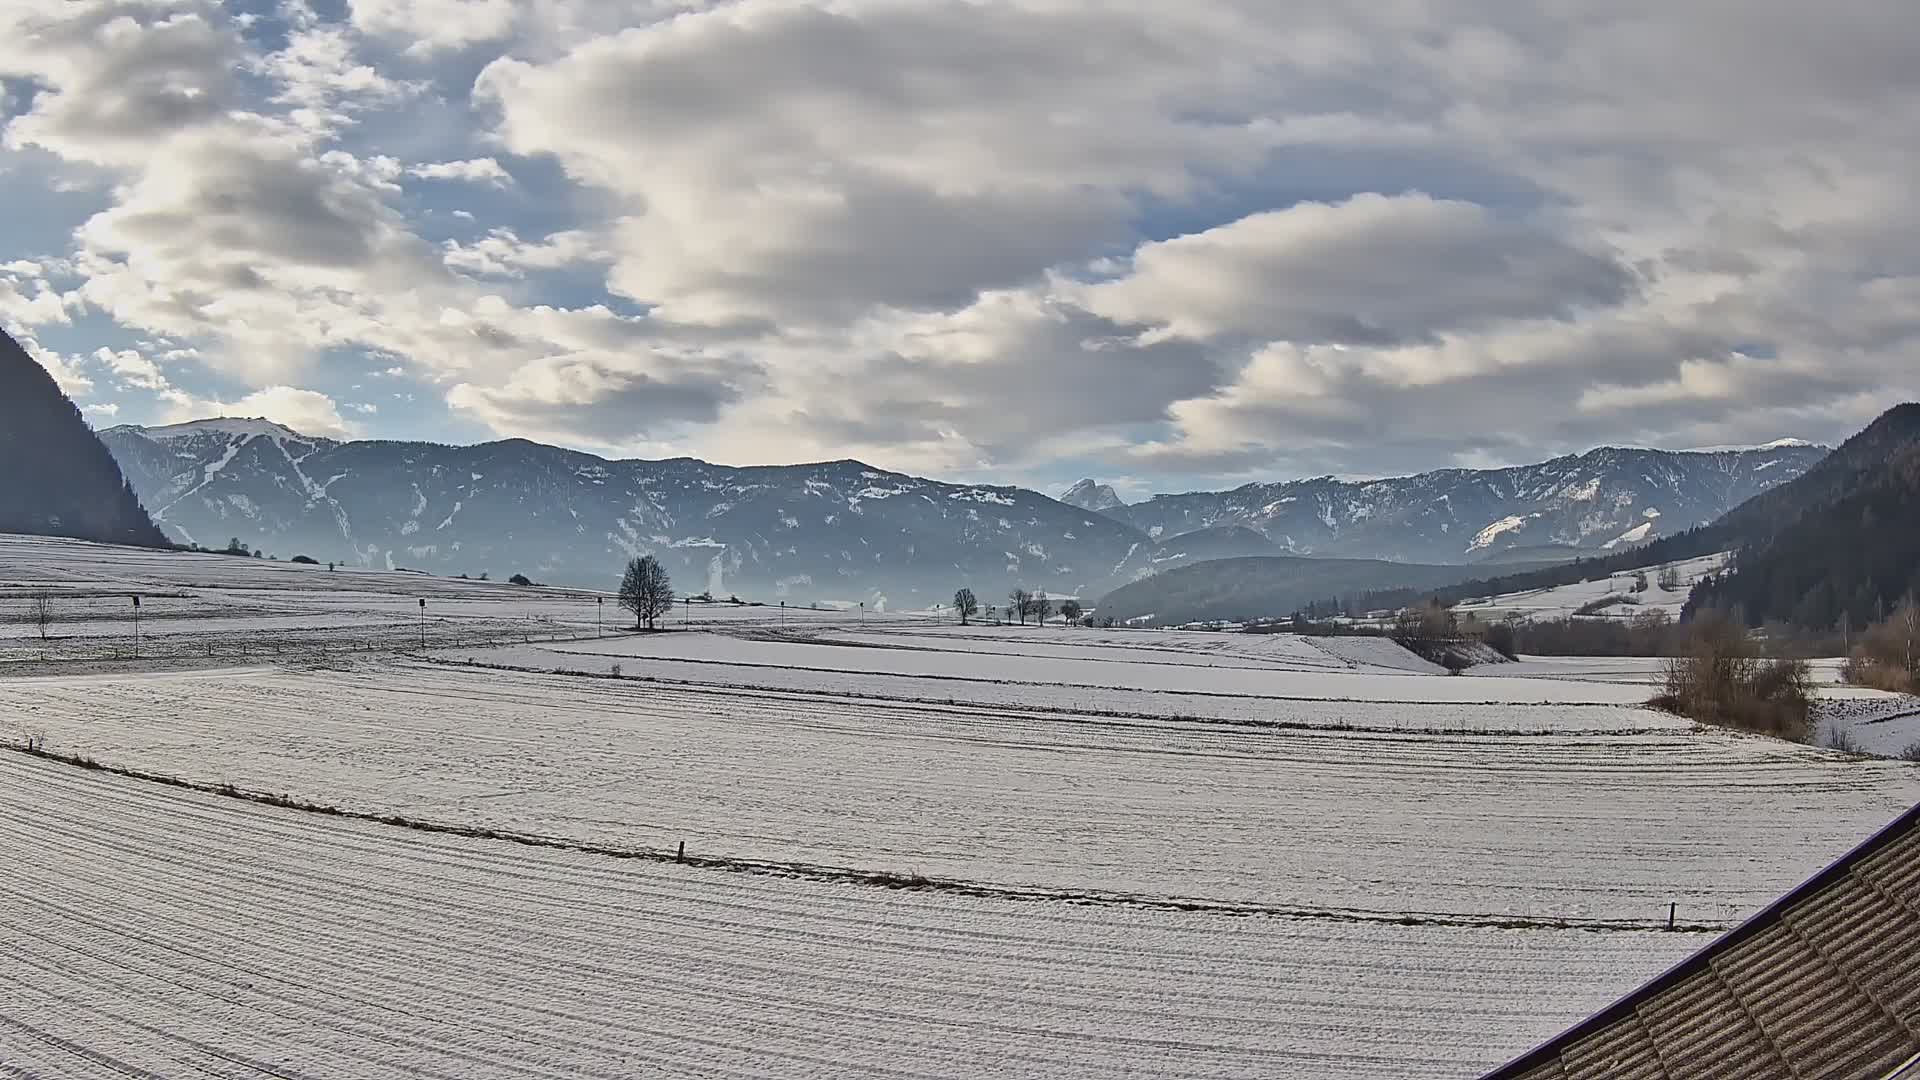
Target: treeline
point(1843, 568)
point(1887, 656)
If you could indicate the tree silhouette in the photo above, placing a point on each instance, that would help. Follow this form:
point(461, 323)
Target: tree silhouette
point(646, 590)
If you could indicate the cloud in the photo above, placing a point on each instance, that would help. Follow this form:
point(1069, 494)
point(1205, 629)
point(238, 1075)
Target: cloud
point(801, 163)
point(306, 411)
point(474, 171)
point(436, 24)
point(65, 370)
point(1189, 241)
point(115, 77)
point(1373, 269)
point(606, 399)
point(131, 369)
point(501, 253)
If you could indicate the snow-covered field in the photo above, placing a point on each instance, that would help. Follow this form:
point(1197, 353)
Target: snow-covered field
point(169, 933)
point(1141, 853)
point(194, 605)
point(1584, 824)
point(1328, 678)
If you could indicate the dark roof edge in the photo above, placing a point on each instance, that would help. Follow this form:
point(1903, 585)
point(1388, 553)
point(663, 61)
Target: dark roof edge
point(1766, 917)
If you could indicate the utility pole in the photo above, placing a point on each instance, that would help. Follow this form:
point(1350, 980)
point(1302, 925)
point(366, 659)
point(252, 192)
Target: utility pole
point(423, 622)
point(136, 626)
point(599, 615)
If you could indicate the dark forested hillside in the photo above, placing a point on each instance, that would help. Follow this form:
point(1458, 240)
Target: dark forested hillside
point(56, 478)
point(1845, 565)
point(1263, 587)
point(1809, 504)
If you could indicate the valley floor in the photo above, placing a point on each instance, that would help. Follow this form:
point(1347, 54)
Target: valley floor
point(914, 850)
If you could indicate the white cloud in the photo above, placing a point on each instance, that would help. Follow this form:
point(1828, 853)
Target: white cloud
point(115, 77)
point(132, 369)
point(65, 370)
point(39, 307)
point(1218, 235)
point(1371, 269)
point(436, 24)
point(475, 171)
point(306, 411)
point(502, 253)
point(606, 398)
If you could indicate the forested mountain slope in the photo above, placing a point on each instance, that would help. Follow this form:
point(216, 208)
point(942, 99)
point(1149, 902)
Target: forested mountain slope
point(56, 479)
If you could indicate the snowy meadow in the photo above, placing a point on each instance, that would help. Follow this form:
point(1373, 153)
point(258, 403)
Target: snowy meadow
point(287, 837)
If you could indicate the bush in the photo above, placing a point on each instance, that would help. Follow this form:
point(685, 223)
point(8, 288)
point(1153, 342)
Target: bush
point(1888, 656)
point(1842, 740)
point(1911, 753)
point(1595, 607)
point(1720, 679)
point(520, 579)
point(304, 560)
point(1503, 638)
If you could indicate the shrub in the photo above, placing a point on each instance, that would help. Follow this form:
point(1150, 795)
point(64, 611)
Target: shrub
point(520, 579)
point(304, 560)
point(1911, 753)
point(1842, 740)
point(1504, 638)
point(1595, 607)
point(1719, 679)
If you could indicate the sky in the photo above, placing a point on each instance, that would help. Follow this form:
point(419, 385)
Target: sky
point(1167, 245)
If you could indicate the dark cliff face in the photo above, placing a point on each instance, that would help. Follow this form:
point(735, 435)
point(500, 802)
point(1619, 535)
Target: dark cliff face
point(56, 477)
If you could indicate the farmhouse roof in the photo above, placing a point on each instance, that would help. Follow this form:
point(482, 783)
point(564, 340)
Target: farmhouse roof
point(1824, 983)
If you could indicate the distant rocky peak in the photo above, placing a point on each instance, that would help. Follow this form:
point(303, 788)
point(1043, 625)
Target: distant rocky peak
point(1089, 495)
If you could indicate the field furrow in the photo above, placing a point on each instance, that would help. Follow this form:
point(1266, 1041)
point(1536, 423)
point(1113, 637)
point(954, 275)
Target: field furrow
point(178, 934)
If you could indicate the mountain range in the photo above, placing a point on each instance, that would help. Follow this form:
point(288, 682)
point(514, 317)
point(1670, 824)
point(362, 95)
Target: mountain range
point(1606, 499)
point(845, 531)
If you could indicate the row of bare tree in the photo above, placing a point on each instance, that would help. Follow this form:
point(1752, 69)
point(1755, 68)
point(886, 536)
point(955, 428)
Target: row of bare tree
point(1022, 604)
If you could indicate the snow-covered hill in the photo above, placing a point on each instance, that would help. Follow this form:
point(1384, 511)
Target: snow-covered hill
point(1604, 499)
point(1591, 598)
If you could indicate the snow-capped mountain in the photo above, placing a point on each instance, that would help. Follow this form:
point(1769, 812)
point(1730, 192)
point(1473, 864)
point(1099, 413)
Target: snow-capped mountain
point(1088, 495)
point(836, 531)
point(1604, 499)
point(846, 531)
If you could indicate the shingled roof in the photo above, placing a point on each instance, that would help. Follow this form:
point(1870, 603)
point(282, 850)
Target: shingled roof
point(1823, 984)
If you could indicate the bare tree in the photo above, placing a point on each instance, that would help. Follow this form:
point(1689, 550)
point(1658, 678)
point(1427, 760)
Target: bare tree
point(1042, 606)
point(41, 612)
point(646, 590)
point(1669, 579)
point(966, 604)
point(1071, 611)
point(1022, 604)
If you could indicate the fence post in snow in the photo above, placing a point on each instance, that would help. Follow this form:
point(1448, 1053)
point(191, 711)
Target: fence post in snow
point(1671, 909)
point(682, 855)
